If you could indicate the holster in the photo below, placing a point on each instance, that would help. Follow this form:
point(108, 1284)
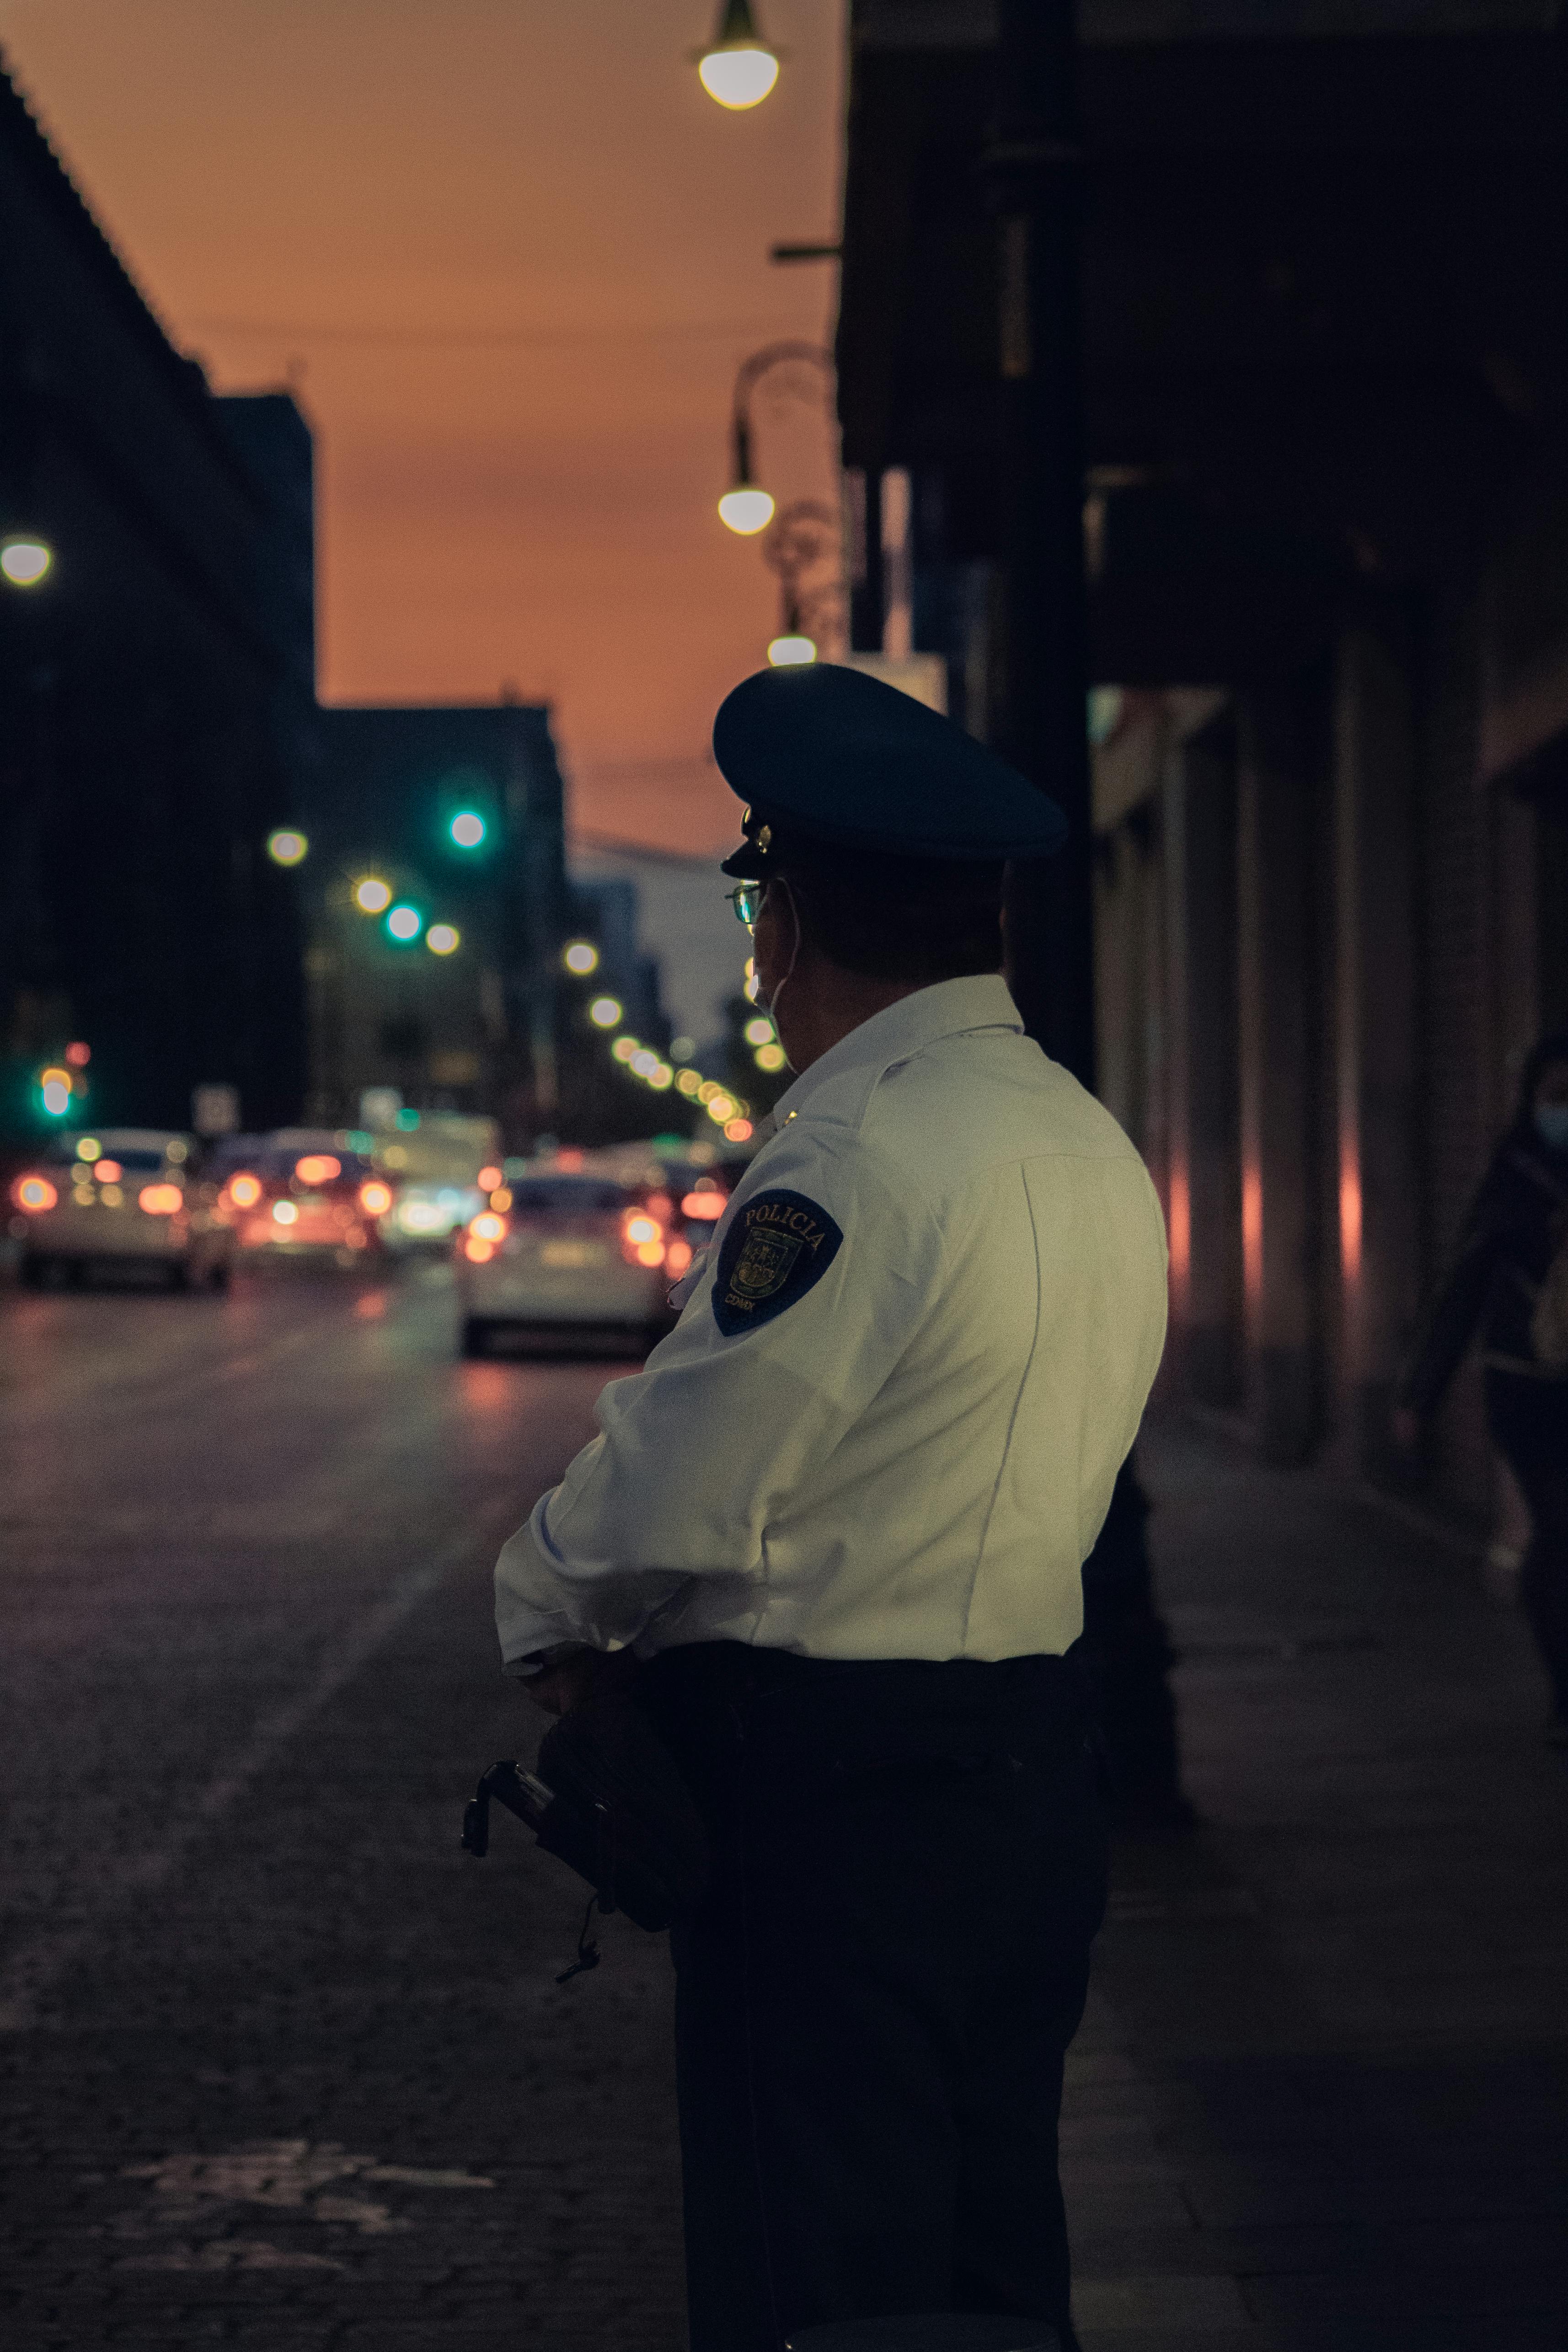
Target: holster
point(608, 1801)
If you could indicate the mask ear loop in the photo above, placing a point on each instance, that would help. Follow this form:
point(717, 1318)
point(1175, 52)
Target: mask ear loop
point(771, 1002)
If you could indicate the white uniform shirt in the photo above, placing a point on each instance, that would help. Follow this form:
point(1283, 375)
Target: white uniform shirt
point(904, 1443)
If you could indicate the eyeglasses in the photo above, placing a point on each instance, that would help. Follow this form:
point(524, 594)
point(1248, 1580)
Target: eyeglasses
point(746, 899)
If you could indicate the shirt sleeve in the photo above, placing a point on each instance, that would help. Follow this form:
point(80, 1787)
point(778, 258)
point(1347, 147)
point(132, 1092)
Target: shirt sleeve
point(819, 1274)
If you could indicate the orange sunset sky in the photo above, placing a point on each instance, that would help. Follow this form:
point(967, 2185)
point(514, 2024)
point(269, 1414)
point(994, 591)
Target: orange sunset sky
point(509, 254)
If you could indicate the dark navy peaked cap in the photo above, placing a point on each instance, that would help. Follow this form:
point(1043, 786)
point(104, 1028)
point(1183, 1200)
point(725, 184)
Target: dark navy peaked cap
point(828, 754)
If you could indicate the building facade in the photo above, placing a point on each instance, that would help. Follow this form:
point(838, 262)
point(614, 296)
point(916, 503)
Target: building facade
point(141, 765)
point(1325, 328)
point(457, 812)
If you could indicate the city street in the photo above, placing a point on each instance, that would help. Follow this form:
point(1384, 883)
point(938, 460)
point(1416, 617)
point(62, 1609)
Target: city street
point(283, 2069)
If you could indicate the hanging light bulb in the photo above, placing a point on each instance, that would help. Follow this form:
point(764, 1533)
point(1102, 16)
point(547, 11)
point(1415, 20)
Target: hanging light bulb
point(738, 69)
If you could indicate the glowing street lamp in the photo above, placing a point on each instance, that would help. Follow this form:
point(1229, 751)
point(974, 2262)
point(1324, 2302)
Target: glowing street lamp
point(404, 923)
point(286, 848)
point(372, 895)
point(746, 510)
point(581, 957)
point(24, 559)
point(738, 69)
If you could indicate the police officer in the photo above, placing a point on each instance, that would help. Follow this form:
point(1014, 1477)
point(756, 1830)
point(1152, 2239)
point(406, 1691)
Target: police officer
point(840, 1517)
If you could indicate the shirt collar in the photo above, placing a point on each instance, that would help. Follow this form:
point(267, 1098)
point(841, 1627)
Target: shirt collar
point(946, 1009)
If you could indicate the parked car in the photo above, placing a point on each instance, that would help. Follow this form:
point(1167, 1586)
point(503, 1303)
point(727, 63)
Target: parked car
point(122, 1196)
point(300, 1193)
point(573, 1250)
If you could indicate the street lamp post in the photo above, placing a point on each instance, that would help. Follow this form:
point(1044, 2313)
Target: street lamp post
point(802, 534)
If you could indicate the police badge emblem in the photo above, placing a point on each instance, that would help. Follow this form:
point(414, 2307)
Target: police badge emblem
point(779, 1245)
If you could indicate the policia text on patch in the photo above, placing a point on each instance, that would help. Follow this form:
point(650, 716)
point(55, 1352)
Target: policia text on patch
point(777, 1248)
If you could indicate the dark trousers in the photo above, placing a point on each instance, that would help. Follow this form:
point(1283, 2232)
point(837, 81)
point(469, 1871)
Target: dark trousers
point(873, 2003)
point(1529, 1423)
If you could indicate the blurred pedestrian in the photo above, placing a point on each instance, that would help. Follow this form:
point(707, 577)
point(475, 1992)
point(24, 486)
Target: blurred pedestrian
point(1510, 1276)
point(842, 1516)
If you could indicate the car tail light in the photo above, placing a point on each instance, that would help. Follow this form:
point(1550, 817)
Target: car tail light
point(160, 1200)
point(34, 1194)
point(244, 1192)
point(375, 1199)
point(703, 1204)
point(318, 1167)
point(642, 1238)
point(677, 1258)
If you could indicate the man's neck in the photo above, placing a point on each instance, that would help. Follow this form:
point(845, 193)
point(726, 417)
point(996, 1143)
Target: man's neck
point(821, 1002)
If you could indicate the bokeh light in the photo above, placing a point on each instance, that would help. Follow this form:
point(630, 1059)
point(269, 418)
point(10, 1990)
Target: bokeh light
point(467, 829)
point(444, 939)
point(405, 923)
point(24, 561)
point(604, 1011)
point(761, 1031)
point(581, 957)
point(244, 1190)
point(286, 848)
point(791, 652)
point(372, 895)
point(79, 1054)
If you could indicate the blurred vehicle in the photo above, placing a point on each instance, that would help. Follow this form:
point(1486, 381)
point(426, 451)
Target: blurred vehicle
point(300, 1193)
point(576, 1248)
point(120, 1196)
point(441, 1166)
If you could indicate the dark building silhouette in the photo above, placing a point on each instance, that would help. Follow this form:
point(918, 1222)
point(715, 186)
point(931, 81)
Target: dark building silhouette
point(1325, 266)
point(478, 1029)
point(144, 755)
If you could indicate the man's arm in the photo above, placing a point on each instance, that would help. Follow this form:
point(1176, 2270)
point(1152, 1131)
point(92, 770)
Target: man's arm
point(821, 1269)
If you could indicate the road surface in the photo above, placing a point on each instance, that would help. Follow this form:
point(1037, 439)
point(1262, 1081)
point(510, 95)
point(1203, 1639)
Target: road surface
point(283, 2067)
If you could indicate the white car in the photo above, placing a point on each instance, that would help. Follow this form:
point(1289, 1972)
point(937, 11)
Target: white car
point(571, 1255)
point(120, 1196)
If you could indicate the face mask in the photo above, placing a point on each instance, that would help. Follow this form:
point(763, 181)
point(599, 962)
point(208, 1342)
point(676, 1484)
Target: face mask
point(1552, 1124)
point(769, 1000)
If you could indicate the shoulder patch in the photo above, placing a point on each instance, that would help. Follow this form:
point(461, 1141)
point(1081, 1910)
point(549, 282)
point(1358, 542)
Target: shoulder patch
point(778, 1249)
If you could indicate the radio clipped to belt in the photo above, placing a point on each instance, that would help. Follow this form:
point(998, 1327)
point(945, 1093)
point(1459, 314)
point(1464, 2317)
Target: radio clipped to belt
point(609, 1802)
